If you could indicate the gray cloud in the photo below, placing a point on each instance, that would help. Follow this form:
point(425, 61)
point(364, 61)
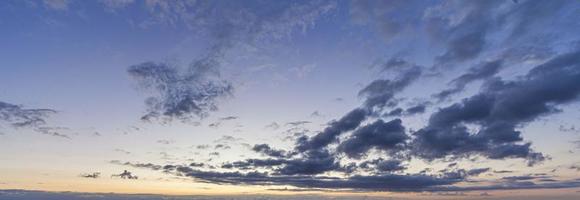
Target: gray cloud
point(380, 165)
point(267, 150)
point(347, 123)
point(418, 109)
point(479, 72)
point(499, 109)
point(91, 175)
point(181, 94)
point(18, 117)
point(389, 137)
point(380, 93)
point(387, 182)
point(219, 122)
point(125, 175)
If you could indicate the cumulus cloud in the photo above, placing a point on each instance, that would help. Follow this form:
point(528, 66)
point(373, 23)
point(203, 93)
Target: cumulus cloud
point(381, 165)
point(389, 137)
point(499, 109)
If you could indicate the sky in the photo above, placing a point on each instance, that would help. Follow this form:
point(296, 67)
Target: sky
point(196, 99)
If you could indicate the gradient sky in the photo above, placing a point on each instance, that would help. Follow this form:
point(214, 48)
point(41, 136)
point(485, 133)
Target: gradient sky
point(399, 98)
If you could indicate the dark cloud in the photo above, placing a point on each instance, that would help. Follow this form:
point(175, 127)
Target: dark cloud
point(311, 156)
point(268, 151)
point(313, 162)
point(387, 182)
point(418, 109)
point(380, 93)
point(389, 137)
point(463, 27)
point(196, 164)
point(496, 112)
point(125, 175)
point(229, 118)
point(499, 109)
point(347, 123)
point(310, 163)
point(524, 178)
point(383, 180)
point(484, 124)
point(445, 135)
point(479, 72)
point(394, 113)
point(413, 110)
point(380, 165)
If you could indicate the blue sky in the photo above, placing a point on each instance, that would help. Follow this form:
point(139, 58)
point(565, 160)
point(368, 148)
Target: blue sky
point(409, 99)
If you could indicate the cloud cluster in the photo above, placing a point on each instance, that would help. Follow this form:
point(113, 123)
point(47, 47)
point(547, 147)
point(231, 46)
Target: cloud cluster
point(362, 150)
point(496, 112)
point(180, 94)
point(483, 125)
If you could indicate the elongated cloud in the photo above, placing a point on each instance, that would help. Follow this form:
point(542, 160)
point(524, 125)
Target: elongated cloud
point(18, 116)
